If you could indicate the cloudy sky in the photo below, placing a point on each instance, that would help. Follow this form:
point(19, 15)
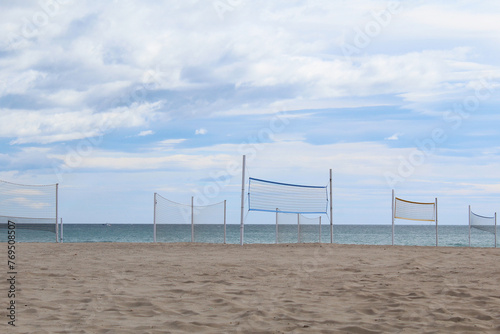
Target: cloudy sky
point(117, 100)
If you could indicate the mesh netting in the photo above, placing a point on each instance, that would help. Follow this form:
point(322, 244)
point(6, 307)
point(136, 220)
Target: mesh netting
point(310, 229)
point(169, 212)
point(18, 200)
point(205, 220)
point(38, 224)
point(414, 210)
point(287, 227)
point(288, 198)
point(176, 222)
point(293, 228)
point(482, 223)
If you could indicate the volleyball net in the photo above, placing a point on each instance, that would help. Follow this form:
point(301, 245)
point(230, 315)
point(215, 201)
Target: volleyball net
point(177, 222)
point(290, 203)
point(483, 223)
point(269, 196)
point(415, 211)
point(297, 228)
point(29, 207)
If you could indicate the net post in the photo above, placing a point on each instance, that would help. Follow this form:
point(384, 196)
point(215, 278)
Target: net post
point(154, 219)
point(298, 228)
point(436, 212)
point(277, 231)
point(331, 209)
point(192, 218)
point(57, 220)
point(495, 230)
point(319, 229)
point(62, 232)
point(242, 200)
point(469, 225)
point(392, 217)
point(224, 221)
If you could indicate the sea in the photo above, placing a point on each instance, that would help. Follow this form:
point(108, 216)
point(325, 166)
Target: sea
point(410, 235)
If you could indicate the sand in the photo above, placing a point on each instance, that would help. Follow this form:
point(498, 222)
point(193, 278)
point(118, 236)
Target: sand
point(196, 288)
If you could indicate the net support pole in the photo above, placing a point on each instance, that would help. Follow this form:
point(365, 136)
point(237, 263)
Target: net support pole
point(436, 210)
point(392, 214)
point(224, 221)
point(331, 209)
point(495, 230)
point(277, 231)
point(469, 226)
point(298, 228)
point(154, 219)
point(319, 229)
point(242, 201)
point(57, 218)
point(192, 218)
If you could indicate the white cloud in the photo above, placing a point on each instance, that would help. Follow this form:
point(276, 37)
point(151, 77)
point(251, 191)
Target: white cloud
point(48, 126)
point(109, 45)
point(167, 144)
point(201, 131)
point(394, 136)
point(171, 141)
point(146, 133)
point(128, 161)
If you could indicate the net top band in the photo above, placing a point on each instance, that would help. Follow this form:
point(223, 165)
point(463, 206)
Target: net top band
point(475, 214)
point(289, 211)
point(403, 200)
point(288, 184)
point(29, 185)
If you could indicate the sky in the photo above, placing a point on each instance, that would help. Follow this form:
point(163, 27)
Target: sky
point(118, 100)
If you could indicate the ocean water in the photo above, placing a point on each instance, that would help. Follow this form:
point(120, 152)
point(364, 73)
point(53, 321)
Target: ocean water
point(420, 235)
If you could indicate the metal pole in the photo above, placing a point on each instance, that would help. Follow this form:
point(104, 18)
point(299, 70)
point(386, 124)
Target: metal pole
point(436, 221)
point(298, 227)
point(62, 232)
point(392, 214)
point(319, 229)
point(57, 218)
point(242, 201)
point(469, 225)
point(495, 230)
point(224, 221)
point(192, 218)
point(277, 231)
point(331, 209)
point(154, 220)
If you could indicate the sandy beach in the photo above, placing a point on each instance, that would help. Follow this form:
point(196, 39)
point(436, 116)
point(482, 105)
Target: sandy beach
point(196, 288)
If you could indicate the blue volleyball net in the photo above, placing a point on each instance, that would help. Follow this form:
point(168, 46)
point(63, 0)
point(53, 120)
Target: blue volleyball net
point(269, 196)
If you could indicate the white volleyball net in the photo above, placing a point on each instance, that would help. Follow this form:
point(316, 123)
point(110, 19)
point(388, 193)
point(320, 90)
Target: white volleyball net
point(29, 207)
point(209, 223)
point(36, 224)
point(483, 223)
point(177, 222)
point(416, 211)
point(297, 228)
